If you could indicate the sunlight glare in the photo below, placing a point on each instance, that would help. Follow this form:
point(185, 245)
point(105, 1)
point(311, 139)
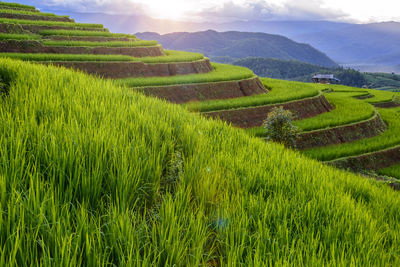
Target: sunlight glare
point(172, 9)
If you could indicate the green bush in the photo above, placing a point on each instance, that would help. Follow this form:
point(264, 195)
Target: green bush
point(279, 127)
point(396, 99)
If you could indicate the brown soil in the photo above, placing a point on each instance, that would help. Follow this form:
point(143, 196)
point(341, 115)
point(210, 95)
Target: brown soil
point(206, 91)
point(370, 161)
point(389, 104)
point(34, 17)
point(28, 46)
point(118, 70)
point(254, 116)
point(342, 134)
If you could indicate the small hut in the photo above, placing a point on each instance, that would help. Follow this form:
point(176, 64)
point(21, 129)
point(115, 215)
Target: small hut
point(325, 79)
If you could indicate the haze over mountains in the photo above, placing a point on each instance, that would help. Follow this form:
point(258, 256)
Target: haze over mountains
point(368, 47)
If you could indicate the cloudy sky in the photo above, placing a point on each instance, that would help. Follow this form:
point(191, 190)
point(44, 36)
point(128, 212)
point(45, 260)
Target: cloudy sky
point(225, 10)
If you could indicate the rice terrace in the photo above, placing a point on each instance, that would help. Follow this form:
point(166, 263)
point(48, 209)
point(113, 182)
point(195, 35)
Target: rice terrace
point(117, 152)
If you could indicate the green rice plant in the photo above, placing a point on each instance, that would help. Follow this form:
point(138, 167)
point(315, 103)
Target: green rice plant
point(16, 5)
point(100, 44)
point(279, 92)
point(84, 33)
point(131, 38)
point(28, 12)
point(392, 171)
point(344, 88)
point(15, 36)
point(346, 110)
point(83, 170)
point(220, 73)
point(385, 140)
point(67, 57)
point(171, 56)
point(51, 23)
point(378, 96)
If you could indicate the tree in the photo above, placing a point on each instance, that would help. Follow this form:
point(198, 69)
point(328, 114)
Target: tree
point(279, 128)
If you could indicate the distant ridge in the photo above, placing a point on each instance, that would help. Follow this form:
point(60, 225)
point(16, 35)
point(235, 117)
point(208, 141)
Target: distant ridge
point(368, 47)
point(241, 44)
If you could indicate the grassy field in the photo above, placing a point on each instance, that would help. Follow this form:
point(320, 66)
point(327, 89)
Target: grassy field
point(347, 110)
point(378, 96)
point(92, 175)
point(66, 57)
point(50, 23)
point(385, 140)
point(16, 5)
point(220, 73)
point(16, 36)
point(280, 91)
point(84, 33)
point(392, 171)
point(135, 43)
point(171, 56)
point(28, 12)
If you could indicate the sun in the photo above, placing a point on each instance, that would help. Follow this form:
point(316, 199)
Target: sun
point(171, 9)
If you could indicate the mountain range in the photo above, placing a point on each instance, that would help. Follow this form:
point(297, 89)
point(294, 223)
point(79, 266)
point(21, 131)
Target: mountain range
point(368, 47)
point(227, 46)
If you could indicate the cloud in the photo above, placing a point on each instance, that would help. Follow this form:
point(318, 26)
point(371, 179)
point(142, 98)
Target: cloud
point(262, 10)
point(223, 10)
point(230, 10)
point(312, 9)
point(91, 6)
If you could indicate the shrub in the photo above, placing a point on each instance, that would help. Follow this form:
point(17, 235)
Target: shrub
point(395, 99)
point(279, 127)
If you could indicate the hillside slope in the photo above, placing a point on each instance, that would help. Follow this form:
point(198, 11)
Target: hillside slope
point(94, 173)
point(240, 45)
point(97, 174)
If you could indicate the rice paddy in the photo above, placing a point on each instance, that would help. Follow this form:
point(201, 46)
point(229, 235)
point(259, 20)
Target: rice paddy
point(171, 56)
point(280, 91)
point(66, 57)
point(27, 12)
point(50, 23)
point(94, 174)
point(84, 33)
point(392, 171)
point(385, 140)
point(16, 36)
point(347, 110)
point(220, 73)
point(134, 43)
point(16, 5)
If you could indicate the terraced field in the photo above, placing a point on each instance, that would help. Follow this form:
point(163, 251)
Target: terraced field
point(94, 173)
point(347, 122)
